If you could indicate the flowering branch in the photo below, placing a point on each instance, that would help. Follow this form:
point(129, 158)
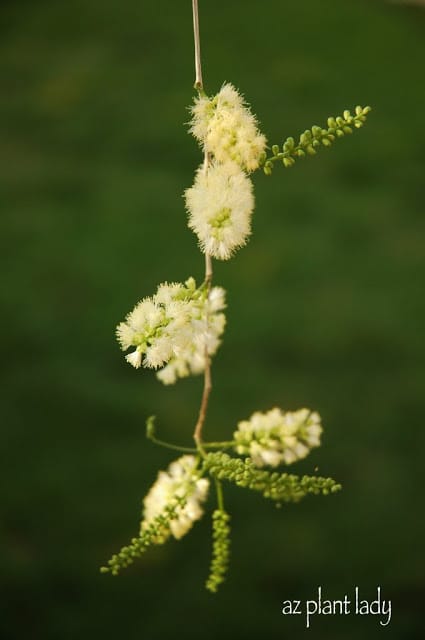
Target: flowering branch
point(178, 330)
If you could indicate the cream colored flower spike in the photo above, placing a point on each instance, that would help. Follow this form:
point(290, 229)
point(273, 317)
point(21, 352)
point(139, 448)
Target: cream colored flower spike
point(181, 480)
point(226, 128)
point(220, 206)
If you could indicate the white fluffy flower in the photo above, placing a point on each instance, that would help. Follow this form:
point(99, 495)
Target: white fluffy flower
point(226, 128)
point(173, 329)
point(220, 205)
point(181, 480)
point(206, 325)
point(277, 437)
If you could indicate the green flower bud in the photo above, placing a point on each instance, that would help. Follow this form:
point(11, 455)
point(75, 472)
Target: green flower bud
point(289, 144)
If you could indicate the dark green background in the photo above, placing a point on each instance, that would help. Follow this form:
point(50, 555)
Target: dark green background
point(325, 309)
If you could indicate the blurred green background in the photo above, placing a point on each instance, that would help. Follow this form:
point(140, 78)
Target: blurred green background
point(325, 309)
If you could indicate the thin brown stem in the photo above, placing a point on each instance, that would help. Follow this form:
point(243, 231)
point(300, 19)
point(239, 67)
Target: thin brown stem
point(198, 69)
point(197, 435)
point(208, 270)
point(207, 373)
point(208, 259)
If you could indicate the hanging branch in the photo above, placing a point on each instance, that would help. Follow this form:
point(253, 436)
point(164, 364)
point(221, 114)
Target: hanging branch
point(178, 330)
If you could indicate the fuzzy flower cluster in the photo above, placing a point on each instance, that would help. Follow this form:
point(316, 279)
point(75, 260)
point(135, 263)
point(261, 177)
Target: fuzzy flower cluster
point(220, 202)
point(173, 329)
point(220, 205)
point(226, 128)
point(181, 480)
point(277, 436)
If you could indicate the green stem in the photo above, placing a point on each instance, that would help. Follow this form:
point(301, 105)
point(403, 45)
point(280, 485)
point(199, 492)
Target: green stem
point(219, 445)
point(200, 449)
point(175, 447)
point(219, 490)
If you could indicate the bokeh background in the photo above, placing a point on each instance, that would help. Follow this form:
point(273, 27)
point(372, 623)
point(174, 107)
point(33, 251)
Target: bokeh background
point(325, 309)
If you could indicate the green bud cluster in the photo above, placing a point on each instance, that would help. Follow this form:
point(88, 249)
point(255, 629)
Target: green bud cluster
point(313, 138)
point(155, 533)
point(220, 550)
point(280, 487)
